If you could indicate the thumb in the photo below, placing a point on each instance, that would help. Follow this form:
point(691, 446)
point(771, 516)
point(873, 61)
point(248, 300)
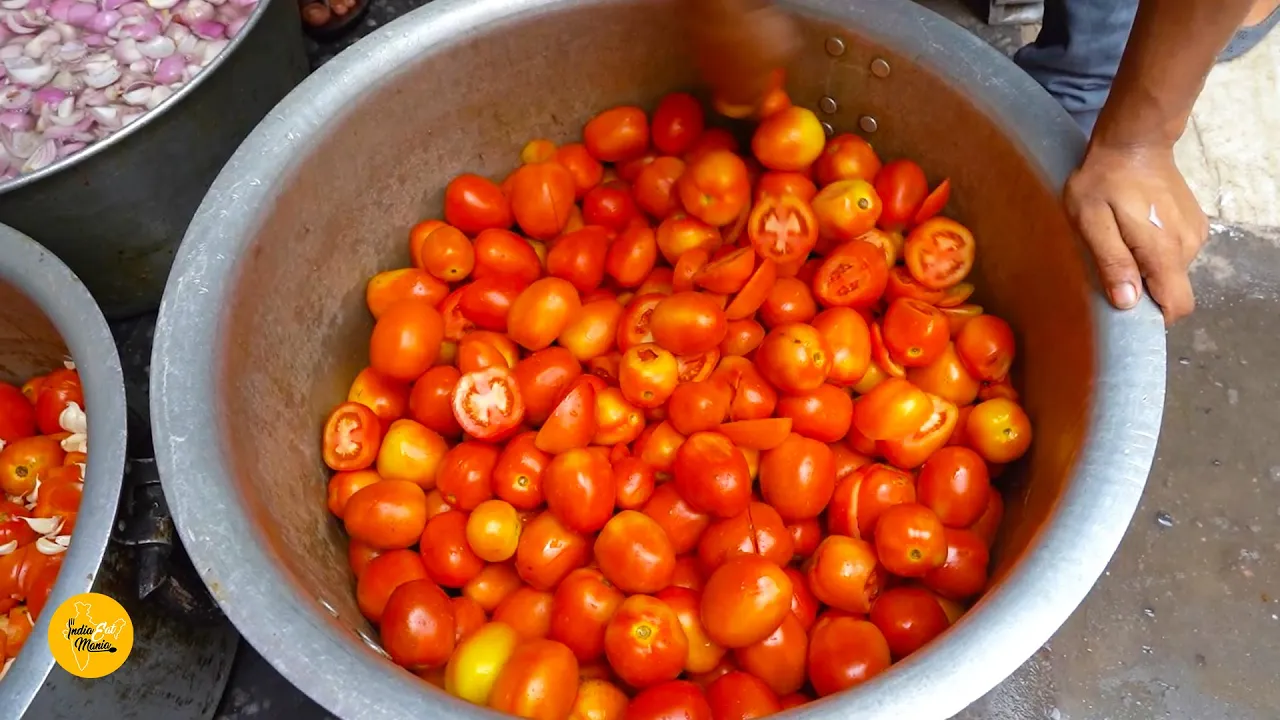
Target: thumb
point(1116, 265)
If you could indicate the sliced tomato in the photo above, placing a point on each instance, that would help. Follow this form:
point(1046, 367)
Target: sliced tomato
point(939, 253)
point(352, 435)
point(902, 285)
point(754, 293)
point(764, 434)
point(633, 328)
point(727, 274)
point(934, 204)
point(956, 295)
point(853, 275)
point(687, 267)
point(456, 324)
point(573, 423)
point(880, 353)
point(696, 368)
point(782, 228)
point(487, 403)
point(12, 526)
point(959, 315)
point(936, 431)
point(886, 242)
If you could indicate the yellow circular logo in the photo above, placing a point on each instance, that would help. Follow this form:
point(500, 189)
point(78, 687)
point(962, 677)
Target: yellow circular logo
point(90, 635)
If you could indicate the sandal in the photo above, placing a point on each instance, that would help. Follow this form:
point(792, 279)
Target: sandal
point(1247, 38)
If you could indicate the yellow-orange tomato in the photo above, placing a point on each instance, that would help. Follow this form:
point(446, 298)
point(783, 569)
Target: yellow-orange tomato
point(598, 700)
point(542, 311)
point(387, 398)
point(387, 288)
point(493, 530)
point(894, 409)
point(617, 134)
point(345, 484)
point(794, 358)
point(789, 140)
point(678, 234)
point(406, 340)
point(846, 157)
point(539, 681)
point(846, 209)
point(493, 584)
point(849, 338)
point(648, 374)
point(688, 323)
point(593, 330)
point(448, 254)
point(410, 451)
point(387, 515)
point(946, 377)
point(617, 420)
point(715, 188)
point(999, 430)
point(476, 662)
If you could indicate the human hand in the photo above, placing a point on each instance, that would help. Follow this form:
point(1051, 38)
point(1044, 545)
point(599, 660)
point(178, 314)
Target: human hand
point(1134, 210)
point(738, 44)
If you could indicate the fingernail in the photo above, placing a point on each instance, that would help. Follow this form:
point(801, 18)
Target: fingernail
point(1124, 296)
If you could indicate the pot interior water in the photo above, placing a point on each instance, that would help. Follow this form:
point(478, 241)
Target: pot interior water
point(264, 326)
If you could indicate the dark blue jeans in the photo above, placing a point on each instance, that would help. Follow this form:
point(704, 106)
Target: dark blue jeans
point(1078, 51)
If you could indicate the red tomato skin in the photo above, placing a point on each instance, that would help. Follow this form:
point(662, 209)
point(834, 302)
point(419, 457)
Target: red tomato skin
point(674, 700)
point(473, 204)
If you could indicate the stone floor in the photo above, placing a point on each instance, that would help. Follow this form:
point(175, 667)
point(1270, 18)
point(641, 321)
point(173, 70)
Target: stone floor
point(1185, 623)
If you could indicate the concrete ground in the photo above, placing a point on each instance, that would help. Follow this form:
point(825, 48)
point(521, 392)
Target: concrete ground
point(1185, 623)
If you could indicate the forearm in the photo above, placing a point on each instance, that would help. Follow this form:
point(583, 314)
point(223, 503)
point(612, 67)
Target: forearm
point(737, 44)
point(1171, 49)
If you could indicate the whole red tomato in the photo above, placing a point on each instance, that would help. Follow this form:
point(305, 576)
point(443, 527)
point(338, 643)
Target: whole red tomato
point(779, 660)
point(846, 157)
point(502, 253)
point(542, 311)
point(580, 490)
point(582, 606)
point(17, 414)
point(446, 554)
point(586, 170)
point(542, 196)
point(655, 187)
point(635, 553)
point(714, 188)
point(964, 574)
point(548, 551)
point(610, 205)
point(382, 575)
point(902, 188)
point(417, 626)
point(579, 256)
point(846, 209)
point(527, 611)
point(910, 540)
point(893, 409)
point(986, 347)
point(617, 134)
point(677, 123)
point(824, 414)
point(908, 617)
point(849, 338)
point(682, 524)
point(745, 600)
point(632, 255)
point(712, 474)
point(955, 484)
point(688, 323)
point(778, 184)
point(674, 700)
point(741, 696)
point(466, 475)
point(794, 358)
point(473, 203)
point(539, 680)
point(844, 652)
point(645, 642)
point(915, 332)
point(844, 573)
point(406, 340)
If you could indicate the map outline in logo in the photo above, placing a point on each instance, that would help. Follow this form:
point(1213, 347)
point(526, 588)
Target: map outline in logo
point(90, 635)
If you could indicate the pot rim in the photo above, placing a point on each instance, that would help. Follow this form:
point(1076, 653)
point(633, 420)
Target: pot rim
point(146, 119)
point(46, 281)
point(1004, 629)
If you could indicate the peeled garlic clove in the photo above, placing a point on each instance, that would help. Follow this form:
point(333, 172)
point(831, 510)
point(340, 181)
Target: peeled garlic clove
point(43, 526)
point(77, 442)
point(8, 547)
point(45, 546)
point(63, 540)
point(72, 419)
point(68, 364)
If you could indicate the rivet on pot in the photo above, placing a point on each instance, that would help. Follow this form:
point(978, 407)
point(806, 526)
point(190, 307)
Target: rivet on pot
point(880, 68)
point(826, 128)
point(828, 105)
point(370, 642)
point(868, 123)
point(835, 46)
point(327, 606)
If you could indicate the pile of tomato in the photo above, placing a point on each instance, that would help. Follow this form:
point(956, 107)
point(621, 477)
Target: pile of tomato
point(654, 428)
point(42, 460)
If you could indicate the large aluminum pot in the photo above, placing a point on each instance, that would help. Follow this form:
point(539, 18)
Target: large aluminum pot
point(263, 324)
point(46, 315)
point(117, 211)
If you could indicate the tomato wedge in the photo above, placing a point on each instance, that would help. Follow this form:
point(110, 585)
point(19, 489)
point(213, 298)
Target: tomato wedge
point(934, 204)
point(352, 435)
point(782, 228)
point(880, 353)
point(960, 315)
point(696, 368)
point(902, 285)
point(939, 253)
point(456, 324)
point(633, 328)
point(764, 434)
point(911, 452)
point(727, 274)
point(487, 403)
point(573, 423)
point(754, 293)
point(956, 295)
point(853, 275)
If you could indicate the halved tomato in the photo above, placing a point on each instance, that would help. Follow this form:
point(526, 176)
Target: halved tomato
point(487, 403)
point(633, 328)
point(352, 435)
point(881, 355)
point(939, 253)
point(902, 285)
point(696, 368)
point(782, 228)
point(763, 434)
point(727, 274)
point(912, 451)
point(853, 275)
point(934, 204)
point(754, 293)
